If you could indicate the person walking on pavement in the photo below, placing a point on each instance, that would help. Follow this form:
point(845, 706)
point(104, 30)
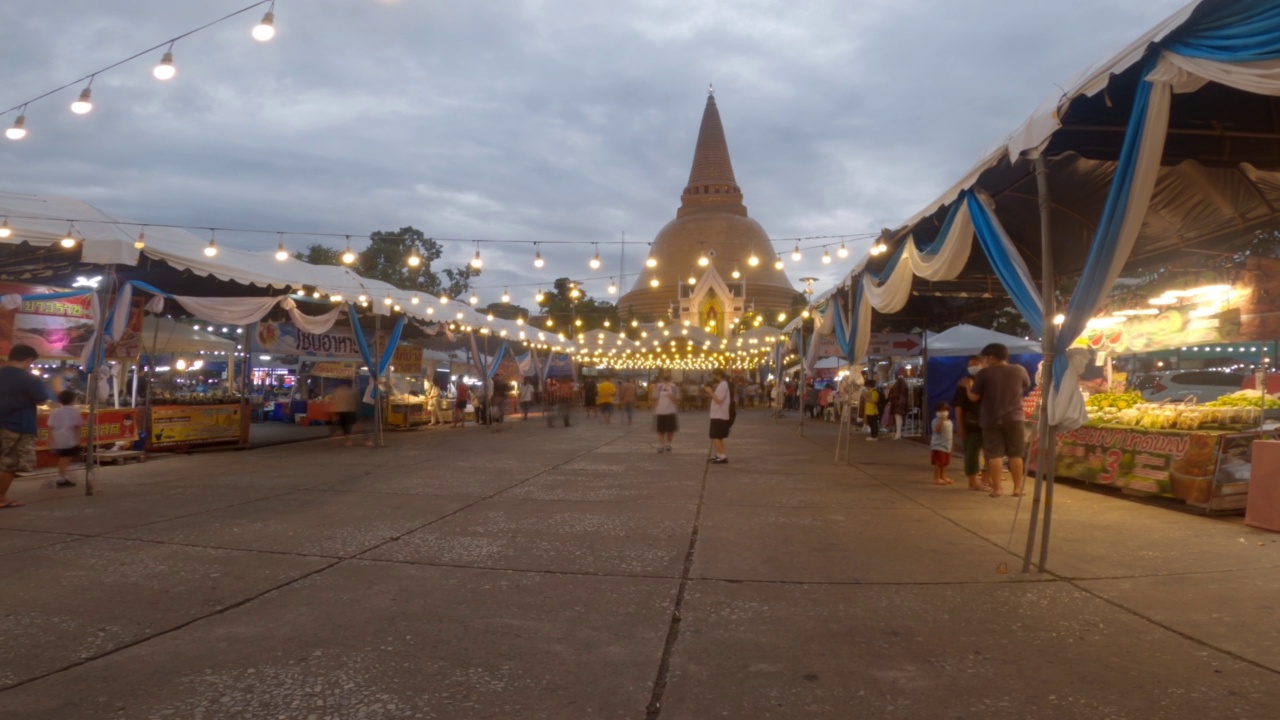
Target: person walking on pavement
point(871, 408)
point(666, 408)
point(721, 414)
point(606, 394)
point(345, 405)
point(627, 398)
point(1000, 387)
point(460, 404)
point(526, 397)
point(20, 394)
point(899, 399)
point(590, 394)
point(969, 425)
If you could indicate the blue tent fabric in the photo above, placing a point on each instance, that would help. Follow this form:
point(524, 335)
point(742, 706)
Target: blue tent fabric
point(944, 374)
point(1021, 289)
point(1240, 32)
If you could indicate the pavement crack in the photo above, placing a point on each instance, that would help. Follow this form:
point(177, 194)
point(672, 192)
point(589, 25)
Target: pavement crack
point(654, 710)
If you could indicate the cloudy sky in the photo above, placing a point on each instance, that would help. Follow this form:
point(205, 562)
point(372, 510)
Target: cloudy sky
point(533, 119)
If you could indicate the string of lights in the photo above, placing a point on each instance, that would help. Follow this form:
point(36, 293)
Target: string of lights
point(164, 70)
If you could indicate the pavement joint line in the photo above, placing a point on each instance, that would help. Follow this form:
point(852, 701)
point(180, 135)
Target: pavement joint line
point(491, 496)
point(486, 568)
point(161, 633)
point(654, 709)
point(281, 586)
point(175, 543)
point(1075, 584)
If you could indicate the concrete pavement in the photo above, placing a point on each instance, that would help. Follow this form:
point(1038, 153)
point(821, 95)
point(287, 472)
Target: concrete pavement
point(578, 573)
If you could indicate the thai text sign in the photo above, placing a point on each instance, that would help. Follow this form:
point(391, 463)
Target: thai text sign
point(282, 338)
point(1173, 464)
point(111, 426)
point(57, 329)
point(173, 425)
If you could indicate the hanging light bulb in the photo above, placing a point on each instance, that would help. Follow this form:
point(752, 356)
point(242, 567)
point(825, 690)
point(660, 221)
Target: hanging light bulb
point(613, 287)
point(69, 239)
point(703, 260)
point(19, 129)
point(281, 253)
point(506, 296)
point(476, 262)
point(5, 230)
point(752, 260)
point(540, 296)
point(387, 300)
point(595, 260)
point(348, 257)
point(266, 29)
point(537, 257)
point(444, 299)
point(181, 364)
point(362, 298)
point(795, 254)
point(165, 70)
point(778, 264)
point(141, 242)
point(336, 297)
point(653, 281)
point(826, 258)
point(414, 299)
point(473, 299)
point(413, 260)
point(842, 252)
point(736, 272)
point(212, 248)
point(84, 104)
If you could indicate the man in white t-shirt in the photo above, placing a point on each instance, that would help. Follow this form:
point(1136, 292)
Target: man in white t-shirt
point(721, 414)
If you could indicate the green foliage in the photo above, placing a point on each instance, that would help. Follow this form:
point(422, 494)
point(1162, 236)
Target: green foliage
point(386, 259)
point(564, 309)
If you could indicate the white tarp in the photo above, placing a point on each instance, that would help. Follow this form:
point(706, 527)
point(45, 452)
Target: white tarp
point(970, 339)
point(170, 336)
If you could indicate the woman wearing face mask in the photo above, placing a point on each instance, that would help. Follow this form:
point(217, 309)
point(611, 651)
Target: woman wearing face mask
point(940, 444)
point(967, 413)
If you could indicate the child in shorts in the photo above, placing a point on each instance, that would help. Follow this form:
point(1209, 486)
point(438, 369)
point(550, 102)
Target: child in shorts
point(64, 425)
point(940, 444)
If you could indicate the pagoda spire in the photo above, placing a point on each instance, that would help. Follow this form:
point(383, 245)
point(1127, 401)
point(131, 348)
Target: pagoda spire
point(711, 180)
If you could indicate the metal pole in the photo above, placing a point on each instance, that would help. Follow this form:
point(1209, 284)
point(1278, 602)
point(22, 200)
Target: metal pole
point(1046, 453)
point(374, 376)
point(95, 359)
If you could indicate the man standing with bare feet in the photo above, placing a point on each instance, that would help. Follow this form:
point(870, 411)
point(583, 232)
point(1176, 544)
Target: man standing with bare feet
point(1000, 387)
point(20, 394)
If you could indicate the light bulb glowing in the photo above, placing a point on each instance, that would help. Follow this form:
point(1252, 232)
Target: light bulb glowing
point(842, 252)
point(506, 296)
point(348, 257)
point(613, 288)
point(444, 299)
point(335, 298)
point(265, 30)
point(753, 261)
point(692, 280)
point(795, 254)
point(540, 297)
point(537, 259)
point(778, 264)
point(141, 242)
point(165, 70)
point(476, 262)
point(703, 260)
point(414, 261)
point(826, 258)
point(653, 281)
point(1059, 319)
point(5, 230)
point(414, 300)
point(84, 104)
point(68, 240)
point(473, 299)
point(211, 249)
point(651, 262)
point(362, 298)
point(281, 253)
point(736, 272)
point(19, 129)
point(782, 317)
point(595, 262)
point(388, 301)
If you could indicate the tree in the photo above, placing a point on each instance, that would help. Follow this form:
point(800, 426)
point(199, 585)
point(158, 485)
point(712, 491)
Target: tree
point(387, 259)
point(506, 311)
point(567, 304)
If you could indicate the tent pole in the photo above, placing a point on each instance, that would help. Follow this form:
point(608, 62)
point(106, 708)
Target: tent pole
point(95, 353)
point(1045, 452)
point(374, 376)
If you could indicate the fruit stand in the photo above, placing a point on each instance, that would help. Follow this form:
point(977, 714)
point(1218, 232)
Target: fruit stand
point(184, 423)
point(1200, 454)
point(404, 411)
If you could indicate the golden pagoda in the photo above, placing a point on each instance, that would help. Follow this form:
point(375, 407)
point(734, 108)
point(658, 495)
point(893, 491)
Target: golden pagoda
point(710, 239)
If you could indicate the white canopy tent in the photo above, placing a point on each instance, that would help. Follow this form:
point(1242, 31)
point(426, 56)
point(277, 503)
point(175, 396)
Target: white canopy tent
point(166, 336)
point(971, 339)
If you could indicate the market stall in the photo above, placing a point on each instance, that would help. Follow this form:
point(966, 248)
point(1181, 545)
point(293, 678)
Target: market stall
point(116, 427)
point(198, 421)
point(1198, 453)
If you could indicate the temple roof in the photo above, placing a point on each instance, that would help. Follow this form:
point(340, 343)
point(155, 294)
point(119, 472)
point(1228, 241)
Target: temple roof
point(711, 181)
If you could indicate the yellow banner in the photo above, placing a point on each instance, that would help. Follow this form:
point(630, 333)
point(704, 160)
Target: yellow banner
point(407, 360)
point(194, 424)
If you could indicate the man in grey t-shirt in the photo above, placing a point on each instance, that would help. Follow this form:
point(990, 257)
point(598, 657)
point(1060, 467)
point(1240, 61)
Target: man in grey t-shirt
point(1000, 387)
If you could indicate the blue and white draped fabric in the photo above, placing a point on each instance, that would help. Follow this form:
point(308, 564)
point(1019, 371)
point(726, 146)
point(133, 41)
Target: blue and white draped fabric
point(220, 310)
point(1005, 259)
point(1236, 44)
point(376, 369)
point(486, 368)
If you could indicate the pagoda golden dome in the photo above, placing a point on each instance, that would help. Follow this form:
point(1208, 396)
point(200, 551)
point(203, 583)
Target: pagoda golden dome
point(711, 220)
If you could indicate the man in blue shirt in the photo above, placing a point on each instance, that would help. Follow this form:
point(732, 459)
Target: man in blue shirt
point(20, 393)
